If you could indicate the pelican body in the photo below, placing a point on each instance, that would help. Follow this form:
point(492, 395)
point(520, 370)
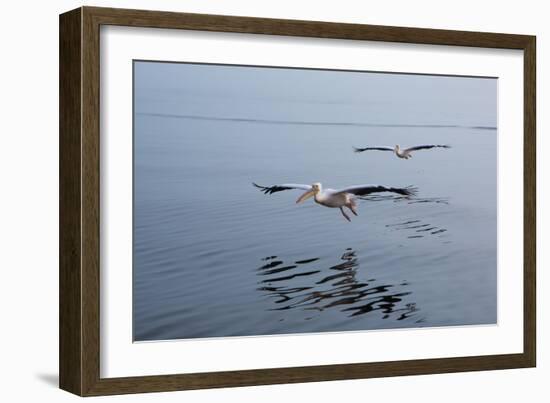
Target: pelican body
point(335, 198)
point(404, 153)
point(330, 198)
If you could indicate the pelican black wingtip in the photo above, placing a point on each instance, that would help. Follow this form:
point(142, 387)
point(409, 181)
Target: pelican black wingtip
point(411, 190)
point(264, 189)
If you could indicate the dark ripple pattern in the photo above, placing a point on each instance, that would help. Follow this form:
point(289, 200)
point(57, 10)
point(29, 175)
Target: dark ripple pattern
point(337, 287)
point(417, 229)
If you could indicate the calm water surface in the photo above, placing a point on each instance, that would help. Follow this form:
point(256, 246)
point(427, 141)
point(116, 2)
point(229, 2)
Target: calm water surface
point(215, 257)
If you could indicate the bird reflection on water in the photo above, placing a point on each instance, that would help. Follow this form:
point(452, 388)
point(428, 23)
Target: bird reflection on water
point(306, 285)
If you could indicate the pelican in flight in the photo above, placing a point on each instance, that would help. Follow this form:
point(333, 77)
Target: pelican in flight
point(335, 198)
point(404, 153)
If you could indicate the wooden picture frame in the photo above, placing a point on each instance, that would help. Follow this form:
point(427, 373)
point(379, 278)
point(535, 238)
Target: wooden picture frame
point(79, 201)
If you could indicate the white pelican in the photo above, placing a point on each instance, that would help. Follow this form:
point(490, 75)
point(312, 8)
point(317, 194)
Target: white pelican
point(402, 153)
point(335, 198)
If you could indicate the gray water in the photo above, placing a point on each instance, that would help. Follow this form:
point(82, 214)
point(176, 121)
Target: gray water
point(213, 256)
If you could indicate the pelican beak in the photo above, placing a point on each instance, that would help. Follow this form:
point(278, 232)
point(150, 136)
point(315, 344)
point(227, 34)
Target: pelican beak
point(305, 196)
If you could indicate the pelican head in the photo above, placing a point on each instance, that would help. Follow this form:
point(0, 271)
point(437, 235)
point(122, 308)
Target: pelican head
point(315, 189)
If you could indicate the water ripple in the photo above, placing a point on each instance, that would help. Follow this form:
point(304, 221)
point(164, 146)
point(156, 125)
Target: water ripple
point(336, 287)
point(417, 228)
point(311, 123)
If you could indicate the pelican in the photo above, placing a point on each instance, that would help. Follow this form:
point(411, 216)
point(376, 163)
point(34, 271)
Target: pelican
point(402, 153)
point(334, 198)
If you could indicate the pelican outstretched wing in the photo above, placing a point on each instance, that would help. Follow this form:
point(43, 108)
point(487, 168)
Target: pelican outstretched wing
point(279, 188)
point(360, 150)
point(426, 147)
point(363, 190)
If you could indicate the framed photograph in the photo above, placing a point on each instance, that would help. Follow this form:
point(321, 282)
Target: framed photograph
point(249, 201)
